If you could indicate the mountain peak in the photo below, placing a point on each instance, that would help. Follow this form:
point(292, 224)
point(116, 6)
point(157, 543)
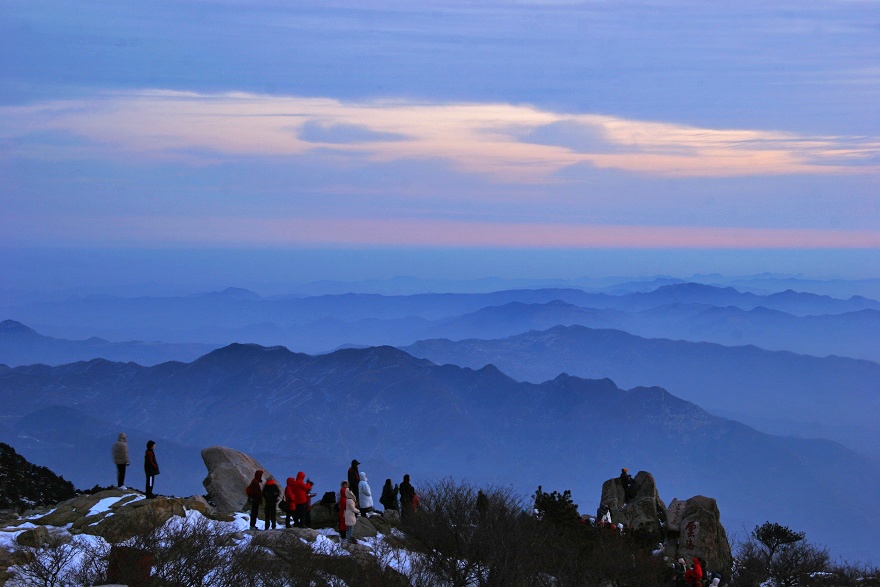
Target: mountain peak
point(15, 327)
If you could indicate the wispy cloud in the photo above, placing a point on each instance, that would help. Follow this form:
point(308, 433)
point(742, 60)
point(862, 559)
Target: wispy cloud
point(360, 232)
point(505, 142)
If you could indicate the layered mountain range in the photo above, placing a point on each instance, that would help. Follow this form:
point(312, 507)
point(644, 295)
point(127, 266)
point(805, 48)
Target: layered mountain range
point(397, 413)
point(775, 391)
point(796, 321)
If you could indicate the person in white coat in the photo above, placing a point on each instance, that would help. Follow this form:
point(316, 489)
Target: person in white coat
point(365, 499)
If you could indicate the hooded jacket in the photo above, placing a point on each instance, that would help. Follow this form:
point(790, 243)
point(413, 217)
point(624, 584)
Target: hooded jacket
point(694, 576)
point(120, 450)
point(351, 511)
point(289, 495)
point(271, 493)
point(254, 491)
point(151, 467)
point(354, 476)
point(300, 489)
point(389, 496)
point(365, 495)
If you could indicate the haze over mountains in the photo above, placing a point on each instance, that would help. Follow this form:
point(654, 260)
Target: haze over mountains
point(508, 407)
point(801, 322)
point(397, 414)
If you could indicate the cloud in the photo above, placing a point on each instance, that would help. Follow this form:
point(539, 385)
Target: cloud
point(379, 232)
point(315, 132)
point(507, 143)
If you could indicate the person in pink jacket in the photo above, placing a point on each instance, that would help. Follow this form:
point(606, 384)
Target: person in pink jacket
point(351, 513)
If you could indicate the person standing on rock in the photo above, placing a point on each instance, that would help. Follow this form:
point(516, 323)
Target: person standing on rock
point(255, 495)
point(354, 477)
point(407, 496)
point(343, 502)
point(351, 513)
point(389, 496)
point(290, 498)
point(300, 497)
point(309, 495)
point(151, 467)
point(365, 499)
point(271, 493)
point(627, 481)
point(120, 458)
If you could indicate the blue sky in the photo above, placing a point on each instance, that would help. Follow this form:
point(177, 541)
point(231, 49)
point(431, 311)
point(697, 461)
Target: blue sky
point(370, 139)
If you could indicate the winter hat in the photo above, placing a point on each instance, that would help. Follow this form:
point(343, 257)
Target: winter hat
point(122, 437)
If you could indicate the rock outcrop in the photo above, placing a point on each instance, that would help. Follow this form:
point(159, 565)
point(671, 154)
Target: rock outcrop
point(694, 529)
point(643, 510)
point(687, 528)
point(229, 473)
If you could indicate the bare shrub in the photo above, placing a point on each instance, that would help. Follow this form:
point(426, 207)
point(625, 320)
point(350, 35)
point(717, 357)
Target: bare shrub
point(60, 562)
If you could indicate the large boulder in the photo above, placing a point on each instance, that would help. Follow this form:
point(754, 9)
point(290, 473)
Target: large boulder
point(229, 473)
point(643, 511)
point(695, 530)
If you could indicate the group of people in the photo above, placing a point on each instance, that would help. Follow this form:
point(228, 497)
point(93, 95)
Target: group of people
point(694, 575)
point(122, 461)
point(355, 498)
point(295, 503)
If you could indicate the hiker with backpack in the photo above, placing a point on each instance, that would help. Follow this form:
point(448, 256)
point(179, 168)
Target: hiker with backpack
point(271, 493)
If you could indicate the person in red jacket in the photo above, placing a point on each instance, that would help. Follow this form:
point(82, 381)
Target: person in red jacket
point(694, 576)
point(300, 497)
point(342, 504)
point(290, 498)
point(255, 495)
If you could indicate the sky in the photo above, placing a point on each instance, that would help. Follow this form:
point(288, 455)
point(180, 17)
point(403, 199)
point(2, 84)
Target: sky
point(239, 141)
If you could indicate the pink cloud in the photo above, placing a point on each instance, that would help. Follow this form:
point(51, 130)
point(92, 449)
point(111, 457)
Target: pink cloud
point(300, 232)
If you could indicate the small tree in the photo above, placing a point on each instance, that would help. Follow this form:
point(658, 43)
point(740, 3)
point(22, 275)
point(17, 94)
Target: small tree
point(780, 554)
point(772, 536)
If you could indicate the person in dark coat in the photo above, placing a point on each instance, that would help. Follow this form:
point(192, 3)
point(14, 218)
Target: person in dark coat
point(255, 495)
point(271, 493)
point(407, 496)
point(354, 477)
point(120, 459)
point(627, 481)
point(151, 467)
point(290, 498)
point(388, 498)
point(309, 496)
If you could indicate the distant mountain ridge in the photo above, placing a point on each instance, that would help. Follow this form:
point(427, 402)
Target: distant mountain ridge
point(397, 413)
point(772, 390)
point(320, 323)
point(22, 345)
